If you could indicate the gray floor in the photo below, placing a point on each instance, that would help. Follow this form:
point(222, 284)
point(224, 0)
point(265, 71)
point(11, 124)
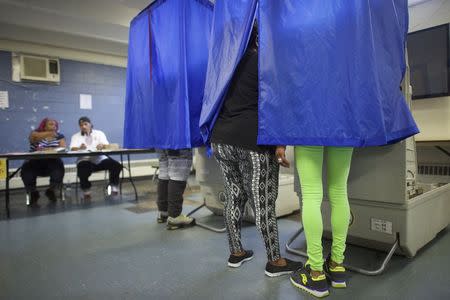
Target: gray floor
point(116, 250)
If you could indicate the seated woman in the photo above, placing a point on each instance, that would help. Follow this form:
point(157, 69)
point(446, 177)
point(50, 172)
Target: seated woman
point(45, 137)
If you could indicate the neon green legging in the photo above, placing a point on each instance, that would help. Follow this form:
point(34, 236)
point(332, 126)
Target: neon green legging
point(309, 161)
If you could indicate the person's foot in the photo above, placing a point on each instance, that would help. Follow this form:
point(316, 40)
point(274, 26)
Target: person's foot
point(87, 195)
point(235, 261)
point(273, 270)
point(162, 217)
point(34, 197)
point(114, 190)
point(316, 286)
point(336, 273)
point(50, 193)
point(179, 222)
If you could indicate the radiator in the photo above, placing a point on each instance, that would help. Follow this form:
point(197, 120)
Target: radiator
point(434, 173)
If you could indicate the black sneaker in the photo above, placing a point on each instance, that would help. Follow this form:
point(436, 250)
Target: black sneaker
point(337, 275)
point(162, 217)
point(275, 271)
point(50, 193)
point(34, 197)
point(87, 197)
point(236, 261)
point(315, 286)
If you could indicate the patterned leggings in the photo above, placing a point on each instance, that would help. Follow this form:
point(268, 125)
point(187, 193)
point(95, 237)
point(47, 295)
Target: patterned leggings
point(250, 175)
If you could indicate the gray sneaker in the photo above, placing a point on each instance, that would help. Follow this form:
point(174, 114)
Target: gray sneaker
point(179, 222)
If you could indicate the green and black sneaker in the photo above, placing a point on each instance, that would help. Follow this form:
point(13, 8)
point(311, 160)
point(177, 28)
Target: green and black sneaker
point(337, 275)
point(317, 287)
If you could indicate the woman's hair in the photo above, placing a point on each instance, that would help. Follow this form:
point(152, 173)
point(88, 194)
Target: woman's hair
point(253, 41)
point(44, 123)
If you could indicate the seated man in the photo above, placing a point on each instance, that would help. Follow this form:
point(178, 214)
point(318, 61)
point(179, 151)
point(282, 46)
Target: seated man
point(93, 140)
point(45, 137)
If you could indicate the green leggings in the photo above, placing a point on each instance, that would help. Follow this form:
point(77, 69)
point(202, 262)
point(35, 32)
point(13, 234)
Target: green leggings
point(309, 161)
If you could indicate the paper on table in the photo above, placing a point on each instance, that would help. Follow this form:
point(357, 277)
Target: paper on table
point(51, 150)
point(18, 153)
point(79, 151)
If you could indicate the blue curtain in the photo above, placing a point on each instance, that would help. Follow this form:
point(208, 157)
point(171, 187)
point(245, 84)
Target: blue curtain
point(230, 32)
point(167, 59)
point(330, 73)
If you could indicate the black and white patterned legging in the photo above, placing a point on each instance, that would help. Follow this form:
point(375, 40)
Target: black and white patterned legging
point(250, 175)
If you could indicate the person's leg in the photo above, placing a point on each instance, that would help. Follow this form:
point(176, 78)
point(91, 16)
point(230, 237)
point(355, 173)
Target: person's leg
point(260, 171)
point(180, 164)
point(56, 173)
point(84, 170)
point(260, 174)
point(309, 161)
point(114, 168)
point(338, 169)
point(311, 278)
point(175, 191)
point(54, 169)
point(28, 173)
point(235, 196)
point(163, 186)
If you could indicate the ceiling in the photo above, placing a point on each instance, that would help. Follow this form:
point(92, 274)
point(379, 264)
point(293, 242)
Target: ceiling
point(99, 26)
point(92, 25)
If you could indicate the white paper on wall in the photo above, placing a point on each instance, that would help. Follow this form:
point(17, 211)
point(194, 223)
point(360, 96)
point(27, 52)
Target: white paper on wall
point(85, 101)
point(4, 99)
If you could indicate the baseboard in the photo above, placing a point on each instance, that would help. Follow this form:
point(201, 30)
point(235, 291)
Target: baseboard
point(139, 168)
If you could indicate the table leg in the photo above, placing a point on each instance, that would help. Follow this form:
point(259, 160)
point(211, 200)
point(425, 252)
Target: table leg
point(131, 178)
point(123, 174)
point(7, 190)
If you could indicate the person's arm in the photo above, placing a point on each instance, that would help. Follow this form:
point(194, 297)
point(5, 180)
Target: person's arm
point(103, 141)
point(37, 136)
point(280, 153)
point(82, 147)
point(62, 143)
point(74, 145)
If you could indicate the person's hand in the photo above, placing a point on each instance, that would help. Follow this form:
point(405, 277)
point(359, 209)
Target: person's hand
point(83, 147)
point(280, 153)
point(100, 146)
point(51, 135)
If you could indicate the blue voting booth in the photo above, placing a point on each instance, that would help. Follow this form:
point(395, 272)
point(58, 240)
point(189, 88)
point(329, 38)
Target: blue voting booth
point(167, 57)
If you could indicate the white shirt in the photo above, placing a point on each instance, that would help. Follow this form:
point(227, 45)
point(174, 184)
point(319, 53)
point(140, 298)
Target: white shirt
point(91, 141)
